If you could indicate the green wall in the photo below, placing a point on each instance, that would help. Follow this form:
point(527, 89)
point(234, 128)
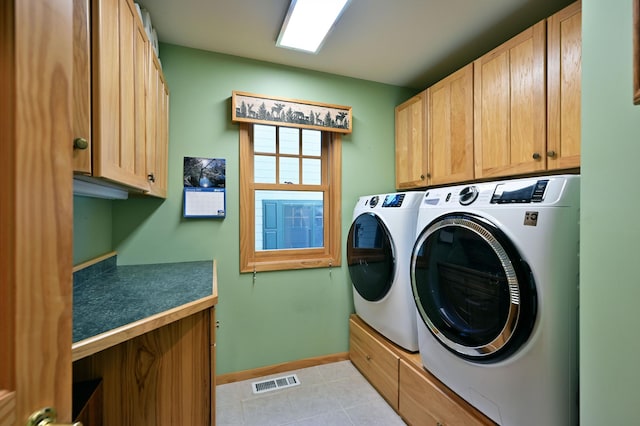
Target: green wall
point(610, 234)
point(281, 316)
point(289, 315)
point(92, 228)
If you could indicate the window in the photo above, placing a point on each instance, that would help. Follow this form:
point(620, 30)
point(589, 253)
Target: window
point(290, 192)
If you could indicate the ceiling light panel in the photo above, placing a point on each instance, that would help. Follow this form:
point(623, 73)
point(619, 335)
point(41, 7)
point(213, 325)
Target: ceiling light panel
point(308, 22)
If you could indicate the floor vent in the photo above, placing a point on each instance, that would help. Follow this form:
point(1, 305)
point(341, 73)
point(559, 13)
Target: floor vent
point(275, 384)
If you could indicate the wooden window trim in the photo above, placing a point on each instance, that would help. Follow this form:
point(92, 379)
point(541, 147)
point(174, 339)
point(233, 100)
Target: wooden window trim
point(275, 260)
point(636, 52)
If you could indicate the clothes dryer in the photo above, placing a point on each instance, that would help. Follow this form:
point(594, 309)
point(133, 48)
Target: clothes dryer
point(378, 255)
point(494, 274)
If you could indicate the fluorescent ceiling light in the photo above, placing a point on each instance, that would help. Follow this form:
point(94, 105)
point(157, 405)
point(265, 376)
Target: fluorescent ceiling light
point(91, 189)
point(308, 22)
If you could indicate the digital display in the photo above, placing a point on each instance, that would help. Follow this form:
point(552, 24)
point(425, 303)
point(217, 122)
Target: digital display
point(393, 200)
point(519, 192)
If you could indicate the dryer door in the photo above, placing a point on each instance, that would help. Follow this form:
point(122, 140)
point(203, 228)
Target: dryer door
point(472, 288)
point(370, 257)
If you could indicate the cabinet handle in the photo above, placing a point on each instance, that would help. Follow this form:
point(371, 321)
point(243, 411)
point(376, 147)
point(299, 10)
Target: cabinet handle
point(151, 177)
point(368, 358)
point(536, 156)
point(551, 154)
point(80, 143)
point(421, 177)
point(46, 417)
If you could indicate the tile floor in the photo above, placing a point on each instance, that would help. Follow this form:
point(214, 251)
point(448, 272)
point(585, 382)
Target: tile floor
point(333, 394)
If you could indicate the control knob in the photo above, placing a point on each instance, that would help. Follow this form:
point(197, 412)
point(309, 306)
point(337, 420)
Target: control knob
point(468, 195)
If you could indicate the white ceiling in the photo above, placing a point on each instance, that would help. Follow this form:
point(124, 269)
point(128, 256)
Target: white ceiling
point(410, 43)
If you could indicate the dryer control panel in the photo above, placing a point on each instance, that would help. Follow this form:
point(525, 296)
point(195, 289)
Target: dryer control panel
point(390, 200)
point(393, 200)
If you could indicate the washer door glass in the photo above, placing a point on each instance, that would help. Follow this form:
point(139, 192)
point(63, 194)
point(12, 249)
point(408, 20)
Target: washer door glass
point(370, 257)
point(472, 289)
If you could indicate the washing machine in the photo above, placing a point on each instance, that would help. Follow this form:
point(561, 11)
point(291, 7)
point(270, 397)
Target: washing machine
point(494, 276)
point(379, 247)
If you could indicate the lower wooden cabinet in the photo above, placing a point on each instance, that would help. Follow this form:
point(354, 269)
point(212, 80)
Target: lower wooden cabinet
point(212, 348)
point(418, 397)
point(88, 402)
point(425, 401)
point(161, 378)
point(375, 360)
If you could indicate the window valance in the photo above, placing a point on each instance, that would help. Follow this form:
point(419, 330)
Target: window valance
point(261, 109)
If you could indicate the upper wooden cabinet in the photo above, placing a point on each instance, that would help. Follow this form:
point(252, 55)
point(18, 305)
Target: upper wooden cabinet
point(564, 57)
point(81, 87)
point(450, 123)
point(411, 142)
point(510, 106)
point(120, 98)
point(157, 129)
point(513, 111)
point(434, 133)
point(118, 102)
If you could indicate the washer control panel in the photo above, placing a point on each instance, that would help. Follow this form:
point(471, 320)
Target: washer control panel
point(520, 192)
point(468, 195)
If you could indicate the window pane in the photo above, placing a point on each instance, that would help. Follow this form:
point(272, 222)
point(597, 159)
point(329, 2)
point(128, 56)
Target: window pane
point(311, 142)
point(264, 138)
point(289, 170)
point(264, 169)
point(289, 141)
point(311, 171)
point(288, 219)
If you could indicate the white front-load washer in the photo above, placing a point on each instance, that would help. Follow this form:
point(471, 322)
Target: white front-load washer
point(494, 273)
point(378, 254)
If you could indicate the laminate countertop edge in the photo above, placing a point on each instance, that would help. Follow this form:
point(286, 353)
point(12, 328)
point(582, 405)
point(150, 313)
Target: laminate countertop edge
point(102, 341)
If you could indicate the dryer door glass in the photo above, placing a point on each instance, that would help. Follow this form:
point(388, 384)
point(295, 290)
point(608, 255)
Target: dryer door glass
point(471, 287)
point(370, 257)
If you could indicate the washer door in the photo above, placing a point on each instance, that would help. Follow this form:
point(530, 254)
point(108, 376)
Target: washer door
point(472, 288)
point(370, 257)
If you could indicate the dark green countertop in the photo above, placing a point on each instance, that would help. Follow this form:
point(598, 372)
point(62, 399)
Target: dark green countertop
point(106, 296)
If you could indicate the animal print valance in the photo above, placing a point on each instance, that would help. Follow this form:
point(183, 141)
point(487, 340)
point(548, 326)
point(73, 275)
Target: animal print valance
point(252, 108)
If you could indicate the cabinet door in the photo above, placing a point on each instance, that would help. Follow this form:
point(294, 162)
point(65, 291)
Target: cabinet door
point(119, 155)
point(153, 110)
point(411, 142)
point(36, 208)
point(450, 136)
point(162, 153)
point(213, 325)
point(564, 54)
point(157, 129)
point(139, 116)
point(159, 378)
point(426, 401)
point(375, 361)
point(81, 86)
point(510, 106)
